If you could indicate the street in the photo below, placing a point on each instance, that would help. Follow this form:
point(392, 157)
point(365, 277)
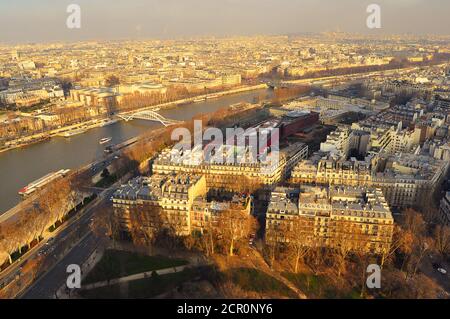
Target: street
point(46, 286)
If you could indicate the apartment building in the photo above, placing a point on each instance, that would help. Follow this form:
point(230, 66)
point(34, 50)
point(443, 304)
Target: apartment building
point(409, 180)
point(95, 96)
point(356, 218)
point(405, 179)
point(180, 203)
point(444, 210)
point(323, 169)
point(233, 175)
point(205, 214)
point(158, 202)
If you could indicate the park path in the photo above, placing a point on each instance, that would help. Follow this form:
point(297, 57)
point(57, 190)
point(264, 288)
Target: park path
point(142, 275)
point(260, 263)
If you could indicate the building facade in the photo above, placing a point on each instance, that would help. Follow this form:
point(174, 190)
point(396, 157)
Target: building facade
point(406, 180)
point(354, 217)
point(178, 203)
point(230, 176)
point(444, 210)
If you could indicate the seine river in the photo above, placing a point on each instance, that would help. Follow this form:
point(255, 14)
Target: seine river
point(22, 166)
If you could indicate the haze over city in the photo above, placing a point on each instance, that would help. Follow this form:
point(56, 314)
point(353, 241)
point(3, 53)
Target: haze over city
point(42, 21)
point(223, 150)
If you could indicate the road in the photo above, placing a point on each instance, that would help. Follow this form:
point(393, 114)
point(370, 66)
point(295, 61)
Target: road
point(429, 266)
point(79, 225)
point(94, 168)
point(47, 285)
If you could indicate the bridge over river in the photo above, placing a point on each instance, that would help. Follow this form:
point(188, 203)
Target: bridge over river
point(148, 115)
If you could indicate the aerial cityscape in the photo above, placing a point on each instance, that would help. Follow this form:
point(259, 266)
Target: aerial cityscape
point(310, 160)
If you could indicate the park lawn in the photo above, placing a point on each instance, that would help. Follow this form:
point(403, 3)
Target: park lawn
point(258, 281)
point(107, 181)
point(117, 263)
point(143, 288)
point(318, 286)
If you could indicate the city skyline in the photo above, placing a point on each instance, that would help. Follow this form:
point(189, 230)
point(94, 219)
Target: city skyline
point(223, 150)
point(45, 21)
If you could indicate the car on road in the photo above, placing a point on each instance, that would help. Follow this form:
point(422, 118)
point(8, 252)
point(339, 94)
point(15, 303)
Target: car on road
point(44, 251)
point(442, 271)
point(50, 241)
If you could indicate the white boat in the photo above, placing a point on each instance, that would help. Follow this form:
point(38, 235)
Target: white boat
point(105, 140)
point(41, 182)
point(108, 122)
point(74, 132)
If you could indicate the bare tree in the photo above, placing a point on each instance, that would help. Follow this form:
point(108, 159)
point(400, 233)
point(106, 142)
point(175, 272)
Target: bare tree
point(234, 226)
point(105, 223)
point(299, 240)
point(8, 239)
point(442, 239)
point(146, 223)
point(421, 249)
point(276, 237)
point(399, 240)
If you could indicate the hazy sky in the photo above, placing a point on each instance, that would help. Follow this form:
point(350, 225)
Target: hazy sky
point(45, 20)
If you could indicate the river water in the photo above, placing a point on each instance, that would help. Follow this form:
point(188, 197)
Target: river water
point(19, 167)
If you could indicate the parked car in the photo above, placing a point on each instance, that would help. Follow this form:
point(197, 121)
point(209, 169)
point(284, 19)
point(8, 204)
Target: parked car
point(442, 271)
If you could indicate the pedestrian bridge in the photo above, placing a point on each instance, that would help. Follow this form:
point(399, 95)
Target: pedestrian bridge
point(148, 116)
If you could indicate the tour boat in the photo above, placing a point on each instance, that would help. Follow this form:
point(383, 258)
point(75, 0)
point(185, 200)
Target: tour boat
point(105, 140)
point(74, 132)
point(41, 182)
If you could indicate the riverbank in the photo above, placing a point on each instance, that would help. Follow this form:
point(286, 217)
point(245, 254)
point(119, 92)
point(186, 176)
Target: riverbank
point(197, 99)
point(83, 127)
point(42, 137)
point(24, 165)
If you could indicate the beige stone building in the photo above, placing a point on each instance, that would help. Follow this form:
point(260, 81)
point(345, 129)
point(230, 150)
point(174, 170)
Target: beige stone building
point(354, 217)
point(231, 176)
point(407, 180)
point(178, 203)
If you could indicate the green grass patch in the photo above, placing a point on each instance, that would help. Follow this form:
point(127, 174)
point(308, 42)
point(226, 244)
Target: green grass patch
point(106, 181)
point(319, 287)
point(143, 288)
point(255, 280)
point(117, 263)
point(314, 286)
point(353, 294)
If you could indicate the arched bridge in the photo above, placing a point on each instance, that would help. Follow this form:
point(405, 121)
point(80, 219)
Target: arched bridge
point(149, 116)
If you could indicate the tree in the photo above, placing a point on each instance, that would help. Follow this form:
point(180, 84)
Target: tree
point(104, 223)
point(8, 240)
point(245, 184)
point(112, 80)
point(234, 226)
point(33, 267)
point(276, 236)
point(3, 246)
point(417, 243)
point(48, 202)
point(299, 241)
point(399, 240)
point(39, 221)
point(146, 224)
point(413, 222)
point(66, 197)
point(422, 248)
point(442, 239)
point(348, 238)
point(105, 173)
